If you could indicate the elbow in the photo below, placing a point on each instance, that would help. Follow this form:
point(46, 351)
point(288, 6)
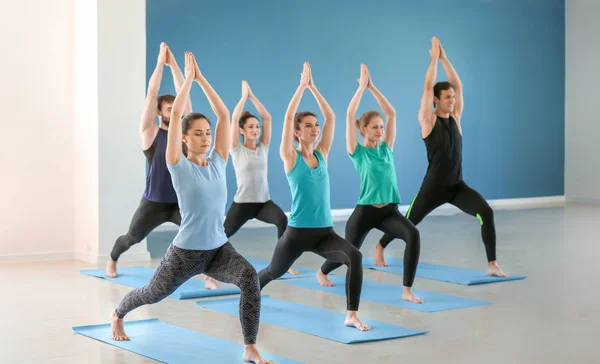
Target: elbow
point(390, 113)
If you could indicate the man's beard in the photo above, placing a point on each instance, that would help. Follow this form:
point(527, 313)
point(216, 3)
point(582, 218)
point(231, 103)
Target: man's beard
point(166, 121)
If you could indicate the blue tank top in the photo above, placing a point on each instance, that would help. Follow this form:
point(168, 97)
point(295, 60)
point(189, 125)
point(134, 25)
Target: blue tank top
point(310, 194)
point(159, 187)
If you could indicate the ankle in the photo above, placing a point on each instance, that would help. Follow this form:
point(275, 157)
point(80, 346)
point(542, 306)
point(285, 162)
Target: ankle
point(493, 264)
point(406, 289)
point(250, 346)
point(351, 313)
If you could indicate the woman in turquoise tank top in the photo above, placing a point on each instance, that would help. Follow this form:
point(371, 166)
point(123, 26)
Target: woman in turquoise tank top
point(310, 227)
point(377, 206)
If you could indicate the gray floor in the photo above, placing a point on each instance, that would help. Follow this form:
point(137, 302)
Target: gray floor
point(551, 317)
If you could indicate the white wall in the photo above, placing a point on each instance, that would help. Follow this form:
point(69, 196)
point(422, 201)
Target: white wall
point(121, 95)
point(73, 88)
point(582, 120)
point(36, 97)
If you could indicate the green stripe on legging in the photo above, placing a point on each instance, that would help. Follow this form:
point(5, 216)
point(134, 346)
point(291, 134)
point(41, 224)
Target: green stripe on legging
point(411, 205)
point(480, 219)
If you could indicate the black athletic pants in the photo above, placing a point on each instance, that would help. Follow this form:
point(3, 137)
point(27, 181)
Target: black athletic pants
point(148, 216)
point(240, 213)
point(460, 195)
point(324, 242)
point(389, 220)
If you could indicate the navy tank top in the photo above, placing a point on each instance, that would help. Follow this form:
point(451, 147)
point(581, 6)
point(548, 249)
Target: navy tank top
point(444, 152)
point(159, 187)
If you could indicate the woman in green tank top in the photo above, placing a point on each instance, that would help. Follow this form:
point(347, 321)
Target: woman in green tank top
point(310, 227)
point(377, 205)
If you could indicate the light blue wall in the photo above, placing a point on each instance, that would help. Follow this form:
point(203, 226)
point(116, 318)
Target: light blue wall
point(509, 54)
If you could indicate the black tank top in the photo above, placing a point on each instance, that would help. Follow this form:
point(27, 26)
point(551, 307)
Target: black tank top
point(444, 152)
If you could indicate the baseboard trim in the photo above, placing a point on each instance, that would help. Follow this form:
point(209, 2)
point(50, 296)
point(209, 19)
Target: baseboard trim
point(583, 201)
point(36, 257)
point(341, 215)
point(338, 215)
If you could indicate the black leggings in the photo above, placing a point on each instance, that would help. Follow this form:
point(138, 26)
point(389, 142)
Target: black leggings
point(389, 220)
point(239, 213)
point(180, 265)
point(324, 242)
point(148, 216)
point(461, 196)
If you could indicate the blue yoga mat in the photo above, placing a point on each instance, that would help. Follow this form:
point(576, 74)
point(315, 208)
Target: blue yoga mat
point(260, 264)
point(391, 295)
point(442, 273)
point(314, 321)
point(172, 344)
point(138, 277)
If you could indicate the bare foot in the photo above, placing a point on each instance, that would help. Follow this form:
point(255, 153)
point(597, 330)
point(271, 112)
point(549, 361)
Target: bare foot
point(409, 296)
point(118, 328)
point(378, 255)
point(292, 271)
point(210, 283)
point(323, 279)
point(494, 270)
point(251, 355)
point(353, 320)
point(111, 268)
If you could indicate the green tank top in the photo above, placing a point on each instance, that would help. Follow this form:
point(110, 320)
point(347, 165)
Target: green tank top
point(375, 166)
point(310, 194)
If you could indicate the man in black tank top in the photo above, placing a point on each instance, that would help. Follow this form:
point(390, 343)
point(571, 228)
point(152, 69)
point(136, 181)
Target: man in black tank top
point(159, 201)
point(443, 183)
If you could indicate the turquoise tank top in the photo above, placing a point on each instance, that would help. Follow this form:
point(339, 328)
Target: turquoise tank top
point(310, 194)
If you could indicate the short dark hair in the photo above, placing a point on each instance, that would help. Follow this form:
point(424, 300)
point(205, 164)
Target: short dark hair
point(298, 120)
point(169, 99)
point(439, 87)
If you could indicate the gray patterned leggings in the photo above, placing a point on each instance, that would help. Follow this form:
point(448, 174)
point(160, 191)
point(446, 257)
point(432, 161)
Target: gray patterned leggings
point(224, 264)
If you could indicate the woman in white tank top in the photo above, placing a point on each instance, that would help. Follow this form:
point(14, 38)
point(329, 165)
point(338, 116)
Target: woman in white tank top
point(250, 162)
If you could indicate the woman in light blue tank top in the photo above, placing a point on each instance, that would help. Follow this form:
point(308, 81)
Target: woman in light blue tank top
point(377, 205)
point(200, 245)
point(310, 227)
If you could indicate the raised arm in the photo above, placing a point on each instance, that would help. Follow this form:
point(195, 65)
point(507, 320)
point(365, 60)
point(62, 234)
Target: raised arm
point(351, 139)
point(222, 129)
point(390, 114)
point(286, 149)
point(264, 115)
point(324, 145)
point(148, 127)
point(237, 113)
point(174, 150)
point(177, 78)
point(426, 117)
point(455, 81)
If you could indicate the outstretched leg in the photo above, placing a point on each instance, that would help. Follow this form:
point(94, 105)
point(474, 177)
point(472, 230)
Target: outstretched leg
point(146, 218)
point(287, 250)
point(471, 202)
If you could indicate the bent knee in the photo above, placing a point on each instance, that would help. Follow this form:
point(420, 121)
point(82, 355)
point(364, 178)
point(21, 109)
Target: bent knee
point(413, 237)
point(486, 215)
point(248, 276)
point(355, 256)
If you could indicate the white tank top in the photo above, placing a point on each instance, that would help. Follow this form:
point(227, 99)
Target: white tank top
point(251, 173)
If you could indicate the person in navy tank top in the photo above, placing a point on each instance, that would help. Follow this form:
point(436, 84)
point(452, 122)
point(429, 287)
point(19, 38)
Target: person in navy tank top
point(159, 201)
point(441, 130)
point(310, 225)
